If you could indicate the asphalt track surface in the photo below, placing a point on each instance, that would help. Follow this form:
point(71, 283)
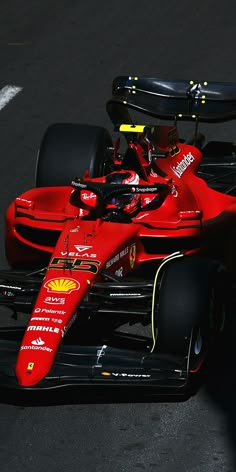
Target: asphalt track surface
point(65, 54)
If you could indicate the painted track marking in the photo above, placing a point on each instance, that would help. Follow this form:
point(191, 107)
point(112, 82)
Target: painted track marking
point(7, 93)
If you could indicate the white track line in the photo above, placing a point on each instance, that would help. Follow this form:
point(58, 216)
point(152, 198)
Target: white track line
point(7, 94)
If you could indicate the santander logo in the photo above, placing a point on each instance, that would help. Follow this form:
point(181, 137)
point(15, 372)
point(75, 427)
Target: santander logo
point(38, 342)
point(181, 166)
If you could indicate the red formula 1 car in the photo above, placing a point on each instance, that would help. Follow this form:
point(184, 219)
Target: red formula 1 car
point(123, 260)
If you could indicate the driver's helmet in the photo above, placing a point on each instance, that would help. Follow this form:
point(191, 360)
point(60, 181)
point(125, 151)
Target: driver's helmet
point(127, 202)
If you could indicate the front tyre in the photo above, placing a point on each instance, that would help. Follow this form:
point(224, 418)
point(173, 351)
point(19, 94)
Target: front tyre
point(189, 312)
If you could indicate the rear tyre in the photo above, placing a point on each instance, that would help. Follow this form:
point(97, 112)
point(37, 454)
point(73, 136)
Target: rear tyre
point(190, 309)
point(68, 150)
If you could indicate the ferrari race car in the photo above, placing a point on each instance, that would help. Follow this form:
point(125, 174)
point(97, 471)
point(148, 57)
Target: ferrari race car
point(123, 259)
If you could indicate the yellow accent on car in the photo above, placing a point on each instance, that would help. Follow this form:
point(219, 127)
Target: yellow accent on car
point(132, 128)
point(61, 285)
point(132, 255)
point(166, 260)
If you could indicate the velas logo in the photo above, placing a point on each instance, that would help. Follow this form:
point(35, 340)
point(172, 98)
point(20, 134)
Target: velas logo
point(81, 248)
point(181, 166)
point(62, 285)
point(77, 254)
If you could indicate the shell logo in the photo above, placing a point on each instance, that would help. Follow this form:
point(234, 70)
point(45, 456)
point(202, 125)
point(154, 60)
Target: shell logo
point(62, 285)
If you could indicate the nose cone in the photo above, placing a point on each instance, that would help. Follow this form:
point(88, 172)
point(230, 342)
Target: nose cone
point(30, 370)
point(36, 356)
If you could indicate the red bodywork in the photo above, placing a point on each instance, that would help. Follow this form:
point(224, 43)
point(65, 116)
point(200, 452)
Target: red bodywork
point(75, 249)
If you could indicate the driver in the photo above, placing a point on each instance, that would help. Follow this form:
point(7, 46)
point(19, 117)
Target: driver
point(130, 203)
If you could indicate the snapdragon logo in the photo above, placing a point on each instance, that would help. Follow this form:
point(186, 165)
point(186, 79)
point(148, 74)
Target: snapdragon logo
point(181, 166)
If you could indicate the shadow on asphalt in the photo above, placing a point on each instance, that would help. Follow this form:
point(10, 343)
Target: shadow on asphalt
point(220, 383)
point(217, 379)
point(91, 395)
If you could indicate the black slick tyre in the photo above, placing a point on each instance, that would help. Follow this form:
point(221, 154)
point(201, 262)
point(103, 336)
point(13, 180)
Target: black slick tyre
point(190, 306)
point(68, 150)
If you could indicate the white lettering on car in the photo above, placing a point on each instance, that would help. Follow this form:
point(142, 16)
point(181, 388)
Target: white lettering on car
point(181, 166)
point(116, 374)
point(77, 254)
point(88, 196)
point(117, 257)
point(55, 300)
point(49, 311)
point(119, 272)
point(36, 348)
point(41, 318)
point(48, 329)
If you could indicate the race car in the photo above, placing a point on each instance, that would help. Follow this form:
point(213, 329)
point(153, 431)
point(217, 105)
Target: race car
point(122, 256)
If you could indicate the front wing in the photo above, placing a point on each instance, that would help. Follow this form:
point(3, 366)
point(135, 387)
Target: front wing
point(77, 365)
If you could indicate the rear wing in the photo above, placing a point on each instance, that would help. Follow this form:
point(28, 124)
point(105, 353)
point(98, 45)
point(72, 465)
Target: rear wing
point(187, 100)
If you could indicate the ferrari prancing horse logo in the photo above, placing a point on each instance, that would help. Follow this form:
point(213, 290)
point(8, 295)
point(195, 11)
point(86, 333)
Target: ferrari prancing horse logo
point(132, 255)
